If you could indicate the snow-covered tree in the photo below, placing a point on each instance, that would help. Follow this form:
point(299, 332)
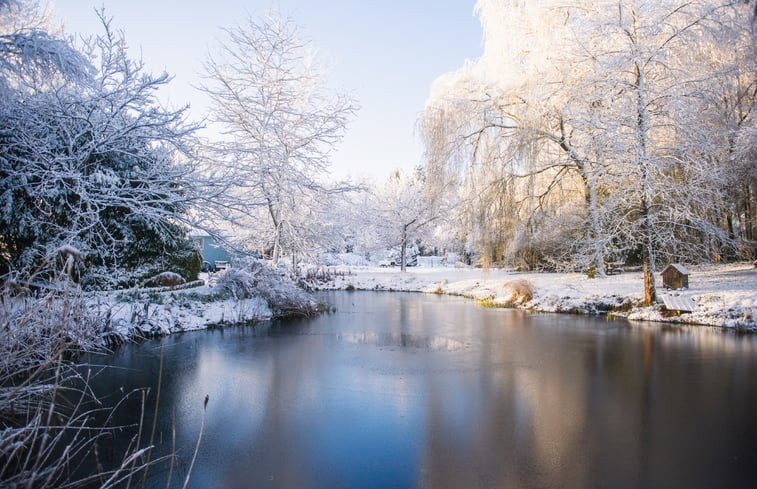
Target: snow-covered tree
point(88, 157)
point(725, 110)
point(667, 187)
point(603, 125)
point(503, 127)
point(403, 208)
point(30, 56)
point(279, 123)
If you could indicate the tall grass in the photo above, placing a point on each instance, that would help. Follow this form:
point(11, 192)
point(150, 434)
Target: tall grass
point(52, 425)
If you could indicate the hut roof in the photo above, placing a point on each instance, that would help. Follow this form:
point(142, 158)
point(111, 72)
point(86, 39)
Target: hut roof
point(679, 268)
point(678, 303)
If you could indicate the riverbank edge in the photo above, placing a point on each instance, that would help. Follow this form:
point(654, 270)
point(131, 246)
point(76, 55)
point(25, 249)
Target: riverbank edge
point(614, 297)
point(172, 312)
point(626, 309)
point(562, 294)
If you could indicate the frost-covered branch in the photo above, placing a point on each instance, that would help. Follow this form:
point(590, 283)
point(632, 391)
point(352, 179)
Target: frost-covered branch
point(280, 124)
point(91, 159)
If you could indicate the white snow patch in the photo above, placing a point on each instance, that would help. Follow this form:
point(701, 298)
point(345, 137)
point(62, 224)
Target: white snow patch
point(725, 295)
point(185, 310)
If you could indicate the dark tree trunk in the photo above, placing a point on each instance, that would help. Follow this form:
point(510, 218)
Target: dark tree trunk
point(642, 121)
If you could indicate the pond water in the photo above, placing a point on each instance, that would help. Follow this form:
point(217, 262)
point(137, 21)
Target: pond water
point(400, 390)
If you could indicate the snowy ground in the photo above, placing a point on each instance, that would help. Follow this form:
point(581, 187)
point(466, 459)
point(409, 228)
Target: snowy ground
point(724, 295)
point(184, 310)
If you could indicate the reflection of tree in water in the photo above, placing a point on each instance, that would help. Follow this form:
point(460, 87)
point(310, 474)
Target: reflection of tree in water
point(379, 391)
point(521, 425)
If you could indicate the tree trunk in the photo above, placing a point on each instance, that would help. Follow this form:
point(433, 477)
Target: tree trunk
point(590, 198)
point(729, 225)
point(277, 230)
point(748, 233)
point(596, 229)
point(403, 249)
point(650, 292)
point(277, 245)
point(642, 159)
point(729, 248)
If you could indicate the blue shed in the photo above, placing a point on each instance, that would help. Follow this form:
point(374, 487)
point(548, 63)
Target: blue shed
point(214, 255)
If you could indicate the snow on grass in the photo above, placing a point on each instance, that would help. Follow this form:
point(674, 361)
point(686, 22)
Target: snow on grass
point(254, 292)
point(725, 295)
point(183, 310)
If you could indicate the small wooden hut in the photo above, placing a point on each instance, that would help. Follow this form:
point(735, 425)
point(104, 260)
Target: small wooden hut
point(675, 276)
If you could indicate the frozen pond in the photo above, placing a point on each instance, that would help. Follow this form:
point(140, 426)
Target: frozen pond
point(406, 390)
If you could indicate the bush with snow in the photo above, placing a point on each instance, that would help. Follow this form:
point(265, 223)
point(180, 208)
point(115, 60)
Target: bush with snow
point(89, 156)
point(165, 279)
point(256, 279)
point(240, 283)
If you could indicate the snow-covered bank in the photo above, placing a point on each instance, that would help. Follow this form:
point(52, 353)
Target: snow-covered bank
point(249, 294)
point(185, 310)
point(724, 295)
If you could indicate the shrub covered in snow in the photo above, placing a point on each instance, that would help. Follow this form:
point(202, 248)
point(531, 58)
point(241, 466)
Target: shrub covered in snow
point(164, 279)
point(256, 279)
point(240, 283)
point(311, 277)
point(140, 267)
point(89, 156)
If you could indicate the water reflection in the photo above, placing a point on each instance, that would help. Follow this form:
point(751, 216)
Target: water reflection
point(402, 390)
point(402, 340)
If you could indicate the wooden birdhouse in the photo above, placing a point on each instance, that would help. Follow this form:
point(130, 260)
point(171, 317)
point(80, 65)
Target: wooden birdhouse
point(675, 276)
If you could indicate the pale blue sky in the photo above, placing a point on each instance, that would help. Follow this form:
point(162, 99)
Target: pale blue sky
point(385, 53)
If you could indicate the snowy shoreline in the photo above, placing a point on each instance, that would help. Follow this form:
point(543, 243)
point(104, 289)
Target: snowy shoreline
point(724, 295)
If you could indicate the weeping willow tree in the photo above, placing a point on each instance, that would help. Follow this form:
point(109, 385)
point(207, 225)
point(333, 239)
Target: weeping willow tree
point(600, 130)
point(501, 127)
